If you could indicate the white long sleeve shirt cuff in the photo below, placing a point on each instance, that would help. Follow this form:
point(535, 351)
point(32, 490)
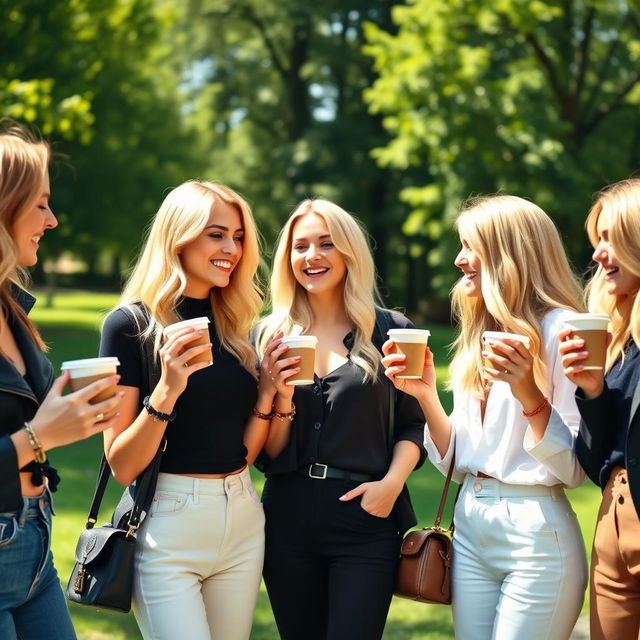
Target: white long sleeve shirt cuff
point(555, 450)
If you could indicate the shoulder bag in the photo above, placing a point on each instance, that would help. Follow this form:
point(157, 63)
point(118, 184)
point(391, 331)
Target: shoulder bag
point(102, 576)
point(426, 555)
point(426, 558)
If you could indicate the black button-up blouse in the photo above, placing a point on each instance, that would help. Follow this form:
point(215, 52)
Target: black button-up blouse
point(342, 421)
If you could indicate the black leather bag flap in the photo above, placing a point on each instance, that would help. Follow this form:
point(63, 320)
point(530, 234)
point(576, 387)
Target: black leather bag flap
point(92, 542)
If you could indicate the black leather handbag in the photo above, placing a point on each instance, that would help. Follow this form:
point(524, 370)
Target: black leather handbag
point(102, 576)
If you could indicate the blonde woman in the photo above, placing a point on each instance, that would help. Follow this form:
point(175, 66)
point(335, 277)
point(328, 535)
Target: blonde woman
point(334, 497)
point(520, 567)
point(200, 551)
point(34, 415)
point(608, 446)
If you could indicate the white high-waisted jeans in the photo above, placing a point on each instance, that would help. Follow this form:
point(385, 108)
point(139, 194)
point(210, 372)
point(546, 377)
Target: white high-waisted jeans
point(519, 564)
point(199, 559)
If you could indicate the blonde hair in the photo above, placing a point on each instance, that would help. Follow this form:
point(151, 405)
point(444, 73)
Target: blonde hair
point(524, 273)
point(24, 163)
point(158, 279)
point(622, 202)
point(291, 312)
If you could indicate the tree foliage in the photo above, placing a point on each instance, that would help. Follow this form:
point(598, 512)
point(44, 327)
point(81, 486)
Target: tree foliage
point(537, 98)
point(98, 78)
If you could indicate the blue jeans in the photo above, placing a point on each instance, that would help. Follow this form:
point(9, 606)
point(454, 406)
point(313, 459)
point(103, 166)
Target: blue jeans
point(32, 605)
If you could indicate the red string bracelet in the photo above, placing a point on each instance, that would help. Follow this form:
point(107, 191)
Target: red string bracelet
point(537, 410)
point(262, 416)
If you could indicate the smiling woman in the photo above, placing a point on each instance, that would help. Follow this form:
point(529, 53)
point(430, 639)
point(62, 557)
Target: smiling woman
point(332, 467)
point(200, 550)
point(34, 416)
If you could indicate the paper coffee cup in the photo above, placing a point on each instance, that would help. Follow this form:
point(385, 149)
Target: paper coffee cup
point(413, 343)
point(500, 335)
point(201, 323)
point(305, 347)
point(84, 372)
point(592, 328)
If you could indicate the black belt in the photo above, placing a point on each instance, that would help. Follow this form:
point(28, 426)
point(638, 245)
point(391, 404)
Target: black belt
point(319, 471)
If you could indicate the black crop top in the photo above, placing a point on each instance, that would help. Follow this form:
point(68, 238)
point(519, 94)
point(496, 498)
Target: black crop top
point(211, 413)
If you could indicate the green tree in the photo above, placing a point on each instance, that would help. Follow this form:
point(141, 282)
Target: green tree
point(125, 140)
point(537, 98)
point(277, 99)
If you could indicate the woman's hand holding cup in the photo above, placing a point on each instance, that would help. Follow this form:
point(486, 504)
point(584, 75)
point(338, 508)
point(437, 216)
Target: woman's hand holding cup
point(177, 358)
point(394, 365)
point(275, 369)
point(573, 354)
point(61, 420)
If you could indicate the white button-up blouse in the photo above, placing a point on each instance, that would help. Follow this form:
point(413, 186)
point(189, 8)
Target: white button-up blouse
point(503, 446)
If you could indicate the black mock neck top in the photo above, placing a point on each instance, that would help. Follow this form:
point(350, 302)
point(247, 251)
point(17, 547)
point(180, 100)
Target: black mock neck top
point(211, 413)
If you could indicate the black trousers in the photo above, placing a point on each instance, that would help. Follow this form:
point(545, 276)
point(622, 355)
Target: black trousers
point(330, 567)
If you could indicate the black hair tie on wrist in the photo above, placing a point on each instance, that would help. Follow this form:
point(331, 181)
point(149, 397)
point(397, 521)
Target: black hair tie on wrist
point(158, 415)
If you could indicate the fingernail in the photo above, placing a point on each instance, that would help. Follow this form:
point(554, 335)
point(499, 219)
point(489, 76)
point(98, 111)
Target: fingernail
point(121, 394)
point(297, 358)
point(343, 497)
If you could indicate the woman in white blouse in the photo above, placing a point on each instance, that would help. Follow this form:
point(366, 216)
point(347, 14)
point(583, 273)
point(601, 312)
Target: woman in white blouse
point(520, 567)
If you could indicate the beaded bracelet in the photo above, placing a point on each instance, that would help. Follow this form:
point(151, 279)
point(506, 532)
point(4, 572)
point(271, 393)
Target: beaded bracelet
point(537, 410)
point(262, 416)
point(36, 445)
point(286, 416)
point(158, 415)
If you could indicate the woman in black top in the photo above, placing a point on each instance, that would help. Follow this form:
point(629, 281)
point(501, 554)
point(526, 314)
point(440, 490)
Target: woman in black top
point(333, 498)
point(34, 416)
point(199, 554)
point(608, 446)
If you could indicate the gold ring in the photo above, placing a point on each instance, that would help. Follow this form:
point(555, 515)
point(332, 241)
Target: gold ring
point(100, 417)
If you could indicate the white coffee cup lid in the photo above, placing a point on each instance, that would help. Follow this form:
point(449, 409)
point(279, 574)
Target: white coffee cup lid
point(196, 323)
point(418, 336)
point(588, 321)
point(300, 341)
point(90, 366)
point(502, 335)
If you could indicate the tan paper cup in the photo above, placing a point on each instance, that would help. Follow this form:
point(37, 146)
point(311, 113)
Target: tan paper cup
point(84, 372)
point(305, 347)
point(196, 323)
point(413, 343)
point(592, 328)
point(500, 335)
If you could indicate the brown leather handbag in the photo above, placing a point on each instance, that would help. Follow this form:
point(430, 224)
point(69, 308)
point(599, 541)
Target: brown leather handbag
point(426, 558)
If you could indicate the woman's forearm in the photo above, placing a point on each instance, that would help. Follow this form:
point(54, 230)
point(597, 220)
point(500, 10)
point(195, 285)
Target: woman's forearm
point(437, 420)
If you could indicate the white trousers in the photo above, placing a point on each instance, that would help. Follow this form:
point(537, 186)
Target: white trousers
point(519, 564)
point(199, 559)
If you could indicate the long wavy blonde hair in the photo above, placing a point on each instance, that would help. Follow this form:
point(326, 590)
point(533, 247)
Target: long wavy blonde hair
point(622, 203)
point(291, 311)
point(524, 273)
point(24, 163)
point(158, 279)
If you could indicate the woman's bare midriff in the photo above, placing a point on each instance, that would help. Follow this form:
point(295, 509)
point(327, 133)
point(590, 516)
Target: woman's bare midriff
point(212, 475)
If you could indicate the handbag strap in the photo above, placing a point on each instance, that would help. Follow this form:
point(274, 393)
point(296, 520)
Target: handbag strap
point(146, 481)
point(443, 497)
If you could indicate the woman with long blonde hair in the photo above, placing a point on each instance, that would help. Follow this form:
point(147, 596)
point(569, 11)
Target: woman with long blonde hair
point(334, 498)
point(34, 415)
point(520, 568)
point(200, 551)
point(608, 445)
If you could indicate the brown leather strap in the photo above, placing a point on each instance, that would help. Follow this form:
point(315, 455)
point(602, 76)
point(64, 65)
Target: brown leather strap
point(443, 497)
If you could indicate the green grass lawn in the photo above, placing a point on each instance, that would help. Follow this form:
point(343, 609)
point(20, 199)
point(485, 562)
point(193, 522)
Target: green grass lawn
point(70, 327)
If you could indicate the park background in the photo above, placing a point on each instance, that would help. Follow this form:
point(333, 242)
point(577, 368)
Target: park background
point(398, 111)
